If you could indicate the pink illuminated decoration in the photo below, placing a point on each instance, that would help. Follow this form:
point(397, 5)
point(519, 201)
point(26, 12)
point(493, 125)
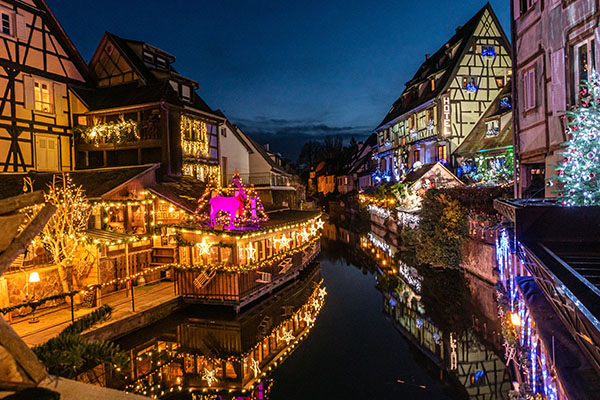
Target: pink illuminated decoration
point(236, 205)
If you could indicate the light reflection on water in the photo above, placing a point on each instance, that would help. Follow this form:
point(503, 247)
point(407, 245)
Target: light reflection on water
point(386, 330)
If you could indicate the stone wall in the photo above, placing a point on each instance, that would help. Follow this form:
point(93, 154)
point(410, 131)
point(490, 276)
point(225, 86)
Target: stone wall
point(479, 259)
point(15, 288)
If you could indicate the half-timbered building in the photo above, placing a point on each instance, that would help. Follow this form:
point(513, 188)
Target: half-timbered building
point(446, 97)
point(38, 66)
point(142, 111)
point(557, 49)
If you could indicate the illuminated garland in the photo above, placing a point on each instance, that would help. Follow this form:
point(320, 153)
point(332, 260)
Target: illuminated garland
point(126, 279)
point(194, 137)
point(36, 303)
point(257, 232)
point(112, 132)
point(228, 267)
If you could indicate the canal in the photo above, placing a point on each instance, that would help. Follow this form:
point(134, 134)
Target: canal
point(359, 324)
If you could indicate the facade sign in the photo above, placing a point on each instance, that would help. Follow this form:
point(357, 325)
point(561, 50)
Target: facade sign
point(446, 123)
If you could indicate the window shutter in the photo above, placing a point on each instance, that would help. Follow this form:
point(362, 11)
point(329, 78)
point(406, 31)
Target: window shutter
point(29, 91)
point(59, 90)
point(21, 27)
point(559, 98)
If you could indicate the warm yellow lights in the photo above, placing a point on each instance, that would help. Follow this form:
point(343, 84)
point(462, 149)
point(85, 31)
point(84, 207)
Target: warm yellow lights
point(515, 319)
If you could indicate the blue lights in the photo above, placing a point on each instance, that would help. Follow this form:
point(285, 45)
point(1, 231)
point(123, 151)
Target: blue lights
point(505, 103)
point(488, 51)
point(471, 87)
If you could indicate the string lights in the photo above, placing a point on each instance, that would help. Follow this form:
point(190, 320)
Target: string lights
point(112, 132)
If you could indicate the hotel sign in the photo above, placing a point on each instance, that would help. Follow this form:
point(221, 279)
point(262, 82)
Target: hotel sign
point(446, 123)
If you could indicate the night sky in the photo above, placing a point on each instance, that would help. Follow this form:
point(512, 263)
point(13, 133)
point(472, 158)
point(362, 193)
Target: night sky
point(285, 71)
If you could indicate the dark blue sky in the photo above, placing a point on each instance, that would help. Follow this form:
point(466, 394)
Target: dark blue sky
point(284, 70)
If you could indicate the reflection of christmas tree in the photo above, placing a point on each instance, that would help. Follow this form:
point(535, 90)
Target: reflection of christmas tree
point(248, 209)
point(581, 164)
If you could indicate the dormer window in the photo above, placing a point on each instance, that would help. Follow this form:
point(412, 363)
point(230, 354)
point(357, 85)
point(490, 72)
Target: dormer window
point(493, 128)
point(148, 57)
point(186, 92)
point(161, 62)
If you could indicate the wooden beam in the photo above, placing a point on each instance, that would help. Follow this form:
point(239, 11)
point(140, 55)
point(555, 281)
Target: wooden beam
point(22, 354)
point(18, 202)
point(19, 245)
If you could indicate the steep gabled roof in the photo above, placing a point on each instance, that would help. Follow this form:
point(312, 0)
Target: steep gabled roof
point(155, 84)
point(444, 61)
point(64, 39)
point(478, 140)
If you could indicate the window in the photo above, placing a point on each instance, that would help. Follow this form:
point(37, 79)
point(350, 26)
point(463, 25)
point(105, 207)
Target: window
point(500, 82)
point(493, 128)
point(442, 155)
point(161, 62)
point(432, 85)
point(417, 156)
point(43, 100)
point(148, 57)
point(223, 132)
point(6, 25)
point(470, 84)
point(526, 5)
point(529, 88)
point(584, 62)
point(185, 92)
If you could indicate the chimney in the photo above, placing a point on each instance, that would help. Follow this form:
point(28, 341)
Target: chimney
point(427, 56)
point(458, 28)
point(267, 147)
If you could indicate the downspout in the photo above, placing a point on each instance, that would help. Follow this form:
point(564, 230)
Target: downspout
point(515, 100)
point(164, 108)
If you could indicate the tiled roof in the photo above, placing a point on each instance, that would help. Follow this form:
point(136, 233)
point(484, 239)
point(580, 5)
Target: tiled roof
point(95, 182)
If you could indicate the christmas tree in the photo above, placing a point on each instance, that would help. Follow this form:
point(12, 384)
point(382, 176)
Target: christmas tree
point(581, 164)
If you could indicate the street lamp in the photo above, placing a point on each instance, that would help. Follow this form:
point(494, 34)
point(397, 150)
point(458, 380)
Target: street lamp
point(34, 277)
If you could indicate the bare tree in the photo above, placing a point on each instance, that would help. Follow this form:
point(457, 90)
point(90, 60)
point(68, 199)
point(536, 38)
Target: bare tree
point(63, 234)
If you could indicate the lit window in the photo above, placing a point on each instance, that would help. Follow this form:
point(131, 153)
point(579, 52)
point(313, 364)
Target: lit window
point(500, 82)
point(42, 97)
point(432, 85)
point(442, 154)
point(6, 24)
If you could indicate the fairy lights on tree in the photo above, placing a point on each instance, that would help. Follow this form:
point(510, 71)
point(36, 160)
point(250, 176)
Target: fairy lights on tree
point(581, 163)
point(64, 232)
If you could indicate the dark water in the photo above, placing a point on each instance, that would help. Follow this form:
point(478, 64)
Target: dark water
point(354, 352)
point(375, 337)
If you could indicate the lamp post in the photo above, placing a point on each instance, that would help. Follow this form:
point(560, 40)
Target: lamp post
point(34, 277)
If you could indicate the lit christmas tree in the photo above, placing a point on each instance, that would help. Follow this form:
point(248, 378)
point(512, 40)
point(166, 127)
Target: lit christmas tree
point(581, 164)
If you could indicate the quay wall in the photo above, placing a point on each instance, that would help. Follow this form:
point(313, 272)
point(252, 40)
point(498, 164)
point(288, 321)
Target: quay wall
point(114, 329)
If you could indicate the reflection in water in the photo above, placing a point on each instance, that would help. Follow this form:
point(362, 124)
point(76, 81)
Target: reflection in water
point(448, 317)
point(207, 355)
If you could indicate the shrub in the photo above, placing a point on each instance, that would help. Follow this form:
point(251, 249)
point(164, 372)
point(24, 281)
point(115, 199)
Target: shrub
point(68, 355)
point(442, 230)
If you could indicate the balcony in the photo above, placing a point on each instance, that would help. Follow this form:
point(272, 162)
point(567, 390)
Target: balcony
point(124, 134)
point(263, 179)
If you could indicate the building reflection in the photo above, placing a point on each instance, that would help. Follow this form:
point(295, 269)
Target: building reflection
point(209, 356)
point(447, 316)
